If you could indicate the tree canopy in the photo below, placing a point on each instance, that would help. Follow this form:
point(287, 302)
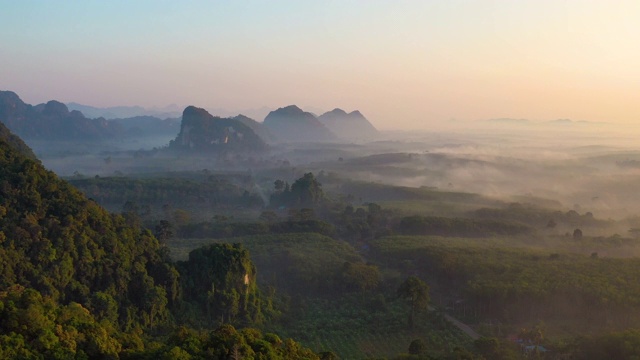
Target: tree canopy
point(306, 192)
point(416, 292)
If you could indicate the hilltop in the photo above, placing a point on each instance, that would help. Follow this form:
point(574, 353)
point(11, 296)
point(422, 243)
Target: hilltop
point(201, 131)
point(292, 124)
point(352, 126)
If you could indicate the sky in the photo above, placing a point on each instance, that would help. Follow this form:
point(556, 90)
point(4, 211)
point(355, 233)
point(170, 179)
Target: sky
point(403, 64)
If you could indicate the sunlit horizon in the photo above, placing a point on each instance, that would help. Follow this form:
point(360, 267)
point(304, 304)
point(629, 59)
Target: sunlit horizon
point(405, 65)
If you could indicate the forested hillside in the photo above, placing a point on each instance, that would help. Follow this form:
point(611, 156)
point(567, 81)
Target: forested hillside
point(79, 282)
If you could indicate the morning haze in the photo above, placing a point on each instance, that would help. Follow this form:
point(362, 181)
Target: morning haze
point(320, 180)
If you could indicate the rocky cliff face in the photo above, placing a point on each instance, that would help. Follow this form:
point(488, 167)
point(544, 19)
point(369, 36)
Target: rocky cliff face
point(350, 126)
point(291, 124)
point(200, 131)
point(258, 128)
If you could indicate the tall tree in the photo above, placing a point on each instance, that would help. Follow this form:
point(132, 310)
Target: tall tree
point(416, 292)
point(307, 191)
point(163, 231)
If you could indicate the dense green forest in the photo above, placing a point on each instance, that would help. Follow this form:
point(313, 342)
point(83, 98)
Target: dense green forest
point(79, 282)
point(517, 283)
point(316, 250)
point(203, 189)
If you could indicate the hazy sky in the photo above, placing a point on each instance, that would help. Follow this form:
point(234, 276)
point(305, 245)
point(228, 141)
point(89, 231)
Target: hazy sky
point(404, 64)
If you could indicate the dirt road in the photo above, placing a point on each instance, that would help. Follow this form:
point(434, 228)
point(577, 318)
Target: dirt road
point(460, 325)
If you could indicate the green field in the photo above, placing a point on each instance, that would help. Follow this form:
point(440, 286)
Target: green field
point(354, 325)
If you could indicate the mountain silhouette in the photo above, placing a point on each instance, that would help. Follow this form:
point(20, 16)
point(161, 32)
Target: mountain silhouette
point(352, 126)
point(200, 131)
point(52, 121)
point(291, 124)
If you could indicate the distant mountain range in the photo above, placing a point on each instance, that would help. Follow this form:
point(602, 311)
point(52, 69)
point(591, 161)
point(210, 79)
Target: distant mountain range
point(169, 111)
point(56, 121)
point(140, 126)
point(292, 124)
point(287, 124)
point(351, 126)
point(52, 121)
point(119, 112)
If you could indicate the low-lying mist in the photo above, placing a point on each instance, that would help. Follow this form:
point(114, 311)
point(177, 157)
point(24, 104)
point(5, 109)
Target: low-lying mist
point(587, 171)
point(584, 167)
